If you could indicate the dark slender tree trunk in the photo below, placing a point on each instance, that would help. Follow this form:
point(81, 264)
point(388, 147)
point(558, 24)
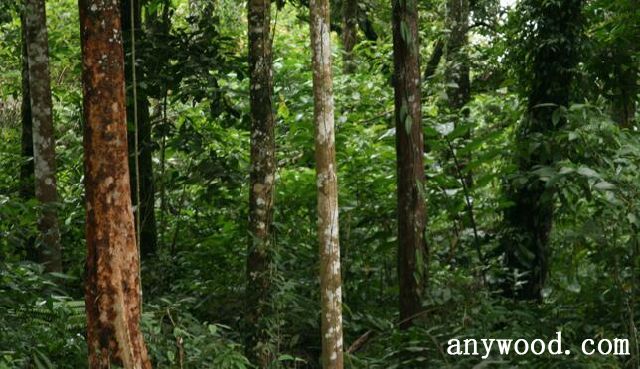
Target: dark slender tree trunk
point(112, 286)
point(459, 85)
point(44, 155)
point(349, 33)
point(27, 185)
point(434, 59)
point(262, 181)
point(146, 187)
point(623, 101)
point(529, 221)
point(412, 253)
point(327, 186)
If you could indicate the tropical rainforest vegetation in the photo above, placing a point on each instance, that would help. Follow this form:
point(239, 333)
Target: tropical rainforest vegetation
point(317, 183)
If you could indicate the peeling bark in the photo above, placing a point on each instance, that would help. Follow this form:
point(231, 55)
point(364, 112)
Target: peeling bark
point(112, 286)
point(412, 253)
point(44, 156)
point(349, 33)
point(262, 183)
point(327, 185)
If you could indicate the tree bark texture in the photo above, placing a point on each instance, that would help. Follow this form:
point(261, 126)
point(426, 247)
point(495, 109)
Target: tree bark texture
point(262, 183)
point(349, 33)
point(146, 205)
point(112, 286)
point(529, 221)
point(27, 185)
point(327, 185)
point(44, 156)
point(412, 252)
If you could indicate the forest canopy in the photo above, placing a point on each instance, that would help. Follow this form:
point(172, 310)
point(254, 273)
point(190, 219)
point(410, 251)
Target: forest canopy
point(317, 183)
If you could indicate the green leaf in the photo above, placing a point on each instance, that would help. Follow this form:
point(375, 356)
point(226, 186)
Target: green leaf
point(604, 185)
point(588, 172)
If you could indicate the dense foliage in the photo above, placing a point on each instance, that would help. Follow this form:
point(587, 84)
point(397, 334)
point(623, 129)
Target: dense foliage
point(192, 67)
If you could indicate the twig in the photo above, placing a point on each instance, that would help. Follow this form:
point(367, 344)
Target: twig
point(467, 198)
point(179, 342)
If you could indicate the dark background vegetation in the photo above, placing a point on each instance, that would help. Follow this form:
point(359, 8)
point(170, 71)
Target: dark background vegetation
point(194, 73)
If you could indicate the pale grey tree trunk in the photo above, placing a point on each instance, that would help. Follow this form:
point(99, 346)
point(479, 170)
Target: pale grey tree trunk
point(43, 134)
point(327, 185)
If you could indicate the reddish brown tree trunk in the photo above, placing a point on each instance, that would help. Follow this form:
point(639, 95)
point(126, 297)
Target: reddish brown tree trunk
point(327, 184)
point(44, 156)
point(112, 287)
point(412, 253)
point(263, 171)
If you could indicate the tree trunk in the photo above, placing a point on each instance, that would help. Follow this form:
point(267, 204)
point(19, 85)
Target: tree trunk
point(27, 186)
point(349, 33)
point(459, 86)
point(623, 101)
point(412, 253)
point(458, 83)
point(112, 286)
point(262, 180)
point(145, 208)
point(44, 156)
point(327, 184)
point(529, 221)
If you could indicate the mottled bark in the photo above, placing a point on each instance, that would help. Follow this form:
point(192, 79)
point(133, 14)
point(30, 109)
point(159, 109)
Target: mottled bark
point(148, 229)
point(349, 33)
point(112, 286)
point(327, 186)
point(262, 176)
point(458, 84)
point(412, 253)
point(27, 186)
point(529, 220)
point(44, 156)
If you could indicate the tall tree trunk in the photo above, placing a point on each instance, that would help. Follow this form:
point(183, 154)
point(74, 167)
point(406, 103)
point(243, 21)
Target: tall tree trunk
point(349, 33)
point(27, 186)
point(623, 101)
point(327, 183)
point(458, 83)
point(412, 253)
point(146, 206)
point(112, 286)
point(44, 155)
point(262, 180)
point(459, 86)
point(529, 221)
